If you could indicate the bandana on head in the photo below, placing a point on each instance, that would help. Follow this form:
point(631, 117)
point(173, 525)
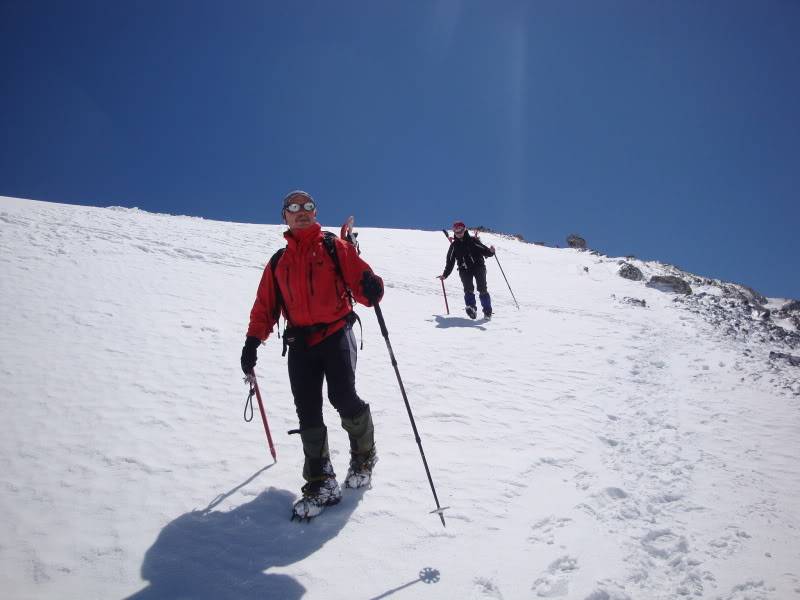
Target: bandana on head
point(459, 226)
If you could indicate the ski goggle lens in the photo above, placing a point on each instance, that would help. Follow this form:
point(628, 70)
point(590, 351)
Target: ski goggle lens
point(294, 207)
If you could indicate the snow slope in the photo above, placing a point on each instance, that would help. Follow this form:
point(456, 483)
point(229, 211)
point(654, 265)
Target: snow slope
point(588, 447)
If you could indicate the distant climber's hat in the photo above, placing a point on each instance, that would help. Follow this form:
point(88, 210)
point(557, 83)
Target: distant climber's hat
point(291, 196)
point(459, 226)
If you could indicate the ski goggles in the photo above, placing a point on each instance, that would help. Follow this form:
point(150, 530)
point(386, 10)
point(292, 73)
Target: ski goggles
point(294, 207)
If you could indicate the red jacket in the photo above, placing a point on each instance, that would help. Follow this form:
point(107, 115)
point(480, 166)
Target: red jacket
point(311, 288)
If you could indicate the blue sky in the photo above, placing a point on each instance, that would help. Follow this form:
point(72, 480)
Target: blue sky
point(667, 130)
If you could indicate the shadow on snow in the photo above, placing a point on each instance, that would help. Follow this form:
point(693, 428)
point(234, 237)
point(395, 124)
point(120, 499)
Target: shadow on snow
point(426, 575)
point(213, 555)
point(444, 322)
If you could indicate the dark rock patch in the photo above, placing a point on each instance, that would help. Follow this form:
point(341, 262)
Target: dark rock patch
point(628, 271)
point(669, 283)
point(576, 241)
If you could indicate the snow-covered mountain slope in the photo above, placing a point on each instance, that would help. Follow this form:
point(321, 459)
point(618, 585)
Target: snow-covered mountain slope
point(588, 447)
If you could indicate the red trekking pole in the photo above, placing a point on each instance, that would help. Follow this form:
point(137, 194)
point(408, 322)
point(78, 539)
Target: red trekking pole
point(449, 239)
point(445, 297)
point(251, 379)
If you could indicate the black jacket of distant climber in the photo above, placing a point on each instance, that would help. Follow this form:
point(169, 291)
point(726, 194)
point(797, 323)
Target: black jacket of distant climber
point(467, 252)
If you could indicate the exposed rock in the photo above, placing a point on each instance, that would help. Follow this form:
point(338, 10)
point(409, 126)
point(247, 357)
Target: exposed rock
point(741, 320)
point(759, 312)
point(669, 283)
point(792, 360)
point(576, 241)
point(628, 271)
point(513, 236)
point(634, 301)
point(791, 312)
point(753, 295)
point(745, 295)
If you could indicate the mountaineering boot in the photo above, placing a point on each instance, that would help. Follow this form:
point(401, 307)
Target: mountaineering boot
point(486, 304)
point(359, 473)
point(321, 489)
point(318, 494)
point(471, 308)
point(362, 448)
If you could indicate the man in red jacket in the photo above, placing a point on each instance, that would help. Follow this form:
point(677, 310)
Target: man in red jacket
point(313, 294)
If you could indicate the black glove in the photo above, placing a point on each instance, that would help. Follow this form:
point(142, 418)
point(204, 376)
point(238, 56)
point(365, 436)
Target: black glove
point(249, 354)
point(372, 287)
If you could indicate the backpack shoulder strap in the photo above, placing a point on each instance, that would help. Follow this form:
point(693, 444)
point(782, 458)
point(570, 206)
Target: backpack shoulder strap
point(273, 264)
point(329, 241)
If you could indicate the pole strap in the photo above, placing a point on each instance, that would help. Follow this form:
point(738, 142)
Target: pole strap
point(248, 404)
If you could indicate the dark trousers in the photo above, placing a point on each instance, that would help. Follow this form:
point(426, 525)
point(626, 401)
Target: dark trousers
point(478, 272)
point(334, 358)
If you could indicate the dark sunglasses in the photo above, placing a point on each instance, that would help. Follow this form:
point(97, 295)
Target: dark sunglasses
point(296, 206)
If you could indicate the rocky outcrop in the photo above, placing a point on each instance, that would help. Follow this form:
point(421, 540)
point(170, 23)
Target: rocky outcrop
point(753, 295)
point(628, 271)
point(792, 360)
point(576, 241)
point(791, 307)
point(513, 236)
point(634, 301)
point(790, 312)
point(737, 319)
point(746, 295)
point(669, 283)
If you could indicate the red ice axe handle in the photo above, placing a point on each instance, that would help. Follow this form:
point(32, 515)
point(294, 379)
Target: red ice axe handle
point(251, 379)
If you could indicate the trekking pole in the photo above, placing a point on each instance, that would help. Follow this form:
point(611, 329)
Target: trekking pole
point(504, 277)
point(447, 235)
point(439, 510)
point(251, 379)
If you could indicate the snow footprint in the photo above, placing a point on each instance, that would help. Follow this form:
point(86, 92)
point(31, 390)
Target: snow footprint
point(729, 543)
point(555, 582)
point(663, 543)
point(486, 588)
point(544, 531)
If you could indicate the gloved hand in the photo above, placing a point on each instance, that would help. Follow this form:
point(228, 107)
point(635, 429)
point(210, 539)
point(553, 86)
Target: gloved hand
point(372, 286)
point(250, 354)
point(440, 277)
